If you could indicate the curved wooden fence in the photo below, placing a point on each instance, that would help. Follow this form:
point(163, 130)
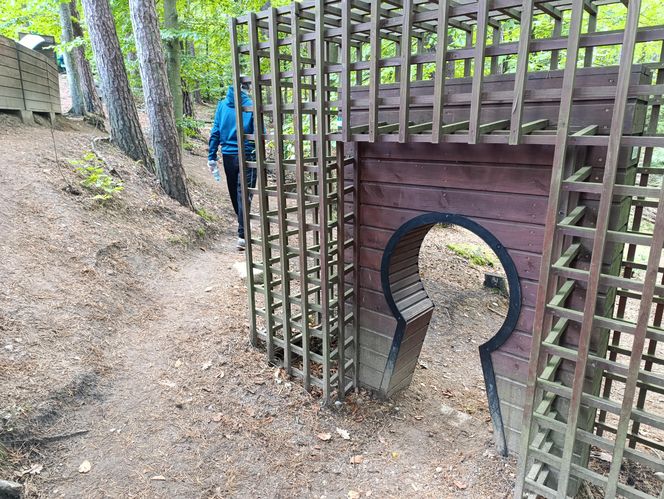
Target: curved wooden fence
point(28, 80)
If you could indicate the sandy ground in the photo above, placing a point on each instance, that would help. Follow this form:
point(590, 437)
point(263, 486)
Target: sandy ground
point(124, 344)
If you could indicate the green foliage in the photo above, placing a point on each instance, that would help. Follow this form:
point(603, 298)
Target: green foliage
point(205, 215)
point(190, 126)
point(474, 254)
point(95, 179)
point(29, 16)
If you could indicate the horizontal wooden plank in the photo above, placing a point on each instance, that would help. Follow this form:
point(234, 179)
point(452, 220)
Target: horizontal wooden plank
point(9, 81)
point(8, 52)
point(38, 106)
point(6, 42)
point(12, 103)
point(508, 365)
point(27, 67)
point(506, 207)
point(449, 153)
point(37, 89)
point(11, 92)
point(32, 78)
point(484, 177)
point(7, 63)
point(32, 56)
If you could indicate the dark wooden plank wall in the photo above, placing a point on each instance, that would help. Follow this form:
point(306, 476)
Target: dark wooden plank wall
point(504, 189)
point(28, 80)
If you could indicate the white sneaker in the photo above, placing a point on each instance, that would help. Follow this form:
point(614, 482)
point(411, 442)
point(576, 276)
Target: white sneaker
point(241, 244)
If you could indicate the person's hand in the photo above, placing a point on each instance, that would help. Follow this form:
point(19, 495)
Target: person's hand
point(212, 165)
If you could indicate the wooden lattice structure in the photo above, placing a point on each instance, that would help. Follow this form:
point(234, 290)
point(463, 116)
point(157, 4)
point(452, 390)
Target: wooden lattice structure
point(344, 91)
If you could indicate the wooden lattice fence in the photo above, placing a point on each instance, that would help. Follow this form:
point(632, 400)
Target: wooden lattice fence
point(329, 75)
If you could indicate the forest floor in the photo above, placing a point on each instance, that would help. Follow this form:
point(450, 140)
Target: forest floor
point(126, 369)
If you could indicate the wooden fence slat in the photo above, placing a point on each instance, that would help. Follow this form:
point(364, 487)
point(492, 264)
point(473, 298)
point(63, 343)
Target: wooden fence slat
point(249, 257)
point(277, 123)
point(321, 154)
point(598, 247)
point(552, 243)
point(404, 93)
point(374, 72)
point(301, 194)
point(478, 71)
point(439, 78)
point(261, 179)
point(521, 72)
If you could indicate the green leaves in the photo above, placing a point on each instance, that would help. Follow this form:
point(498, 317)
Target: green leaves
point(95, 179)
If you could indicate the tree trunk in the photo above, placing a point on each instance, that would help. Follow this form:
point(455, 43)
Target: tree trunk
point(73, 77)
point(158, 100)
point(187, 103)
point(90, 96)
point(191, 49)
point(173, 63)
point(123, 118)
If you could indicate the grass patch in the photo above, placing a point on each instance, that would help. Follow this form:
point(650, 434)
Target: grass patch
point(474, 253)
point(205, 215)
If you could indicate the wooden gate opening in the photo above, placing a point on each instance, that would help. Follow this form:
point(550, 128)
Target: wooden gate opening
point(413, 308)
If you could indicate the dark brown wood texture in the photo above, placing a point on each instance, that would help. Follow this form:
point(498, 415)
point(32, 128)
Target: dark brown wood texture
point(502, 188)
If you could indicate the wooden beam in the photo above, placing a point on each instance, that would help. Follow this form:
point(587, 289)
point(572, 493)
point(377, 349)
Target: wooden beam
point(478, 72)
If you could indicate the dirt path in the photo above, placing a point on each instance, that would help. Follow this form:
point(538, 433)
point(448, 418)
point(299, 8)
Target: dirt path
point(192, 411)
point(129, 350)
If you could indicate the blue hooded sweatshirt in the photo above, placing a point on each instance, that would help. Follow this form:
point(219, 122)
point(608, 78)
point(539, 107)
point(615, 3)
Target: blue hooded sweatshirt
point(224, 130)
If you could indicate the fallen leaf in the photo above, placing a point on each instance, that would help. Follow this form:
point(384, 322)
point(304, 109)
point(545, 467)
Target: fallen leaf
point(324, 436)
point(395, 454)
point(358, 459)
point(85, 467)
point(460, 485)
point(35, 469)
point(159, 478)
point(217, 417)
point(343, 434)
point(353, 494)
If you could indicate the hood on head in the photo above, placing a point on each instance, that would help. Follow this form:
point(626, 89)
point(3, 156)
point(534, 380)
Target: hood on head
point(230, 97)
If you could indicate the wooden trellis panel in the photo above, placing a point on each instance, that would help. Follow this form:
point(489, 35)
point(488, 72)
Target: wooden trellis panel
point(327, 74)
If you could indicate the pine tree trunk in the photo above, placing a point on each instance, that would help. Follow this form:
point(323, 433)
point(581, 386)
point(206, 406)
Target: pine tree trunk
point(123, 118)
point(173, 62)
point(90, 96)
point(73, 77)
point(187, 103)
point(191, 49)
point(158, 100)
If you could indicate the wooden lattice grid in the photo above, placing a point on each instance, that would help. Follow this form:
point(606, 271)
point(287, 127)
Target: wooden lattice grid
point(318, 69)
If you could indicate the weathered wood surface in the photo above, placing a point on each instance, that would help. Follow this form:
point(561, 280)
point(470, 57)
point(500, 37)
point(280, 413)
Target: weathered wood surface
point(28, 80)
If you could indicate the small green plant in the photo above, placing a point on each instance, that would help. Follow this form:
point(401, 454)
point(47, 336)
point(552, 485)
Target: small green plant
point(474, 254)
point(205, 215)
point(95, 179)
point(191, 127)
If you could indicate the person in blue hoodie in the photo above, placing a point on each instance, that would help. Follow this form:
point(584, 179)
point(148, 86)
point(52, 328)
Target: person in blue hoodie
point(224, 133)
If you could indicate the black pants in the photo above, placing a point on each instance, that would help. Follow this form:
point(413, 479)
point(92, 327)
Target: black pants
point(232, 170)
